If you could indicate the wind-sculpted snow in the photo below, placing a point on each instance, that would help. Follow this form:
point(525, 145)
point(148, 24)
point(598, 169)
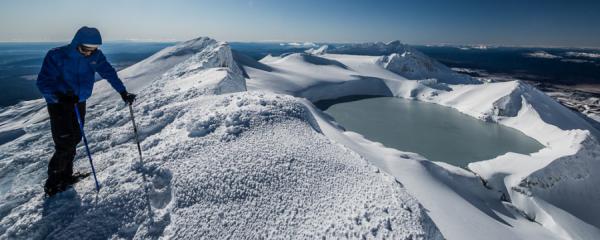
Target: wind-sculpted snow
point(280, 178)
point(549, 186)
point(218, 163)
point(547, 194)
point(319, 51)
point(321, 61)
point(400, 59)
point(181, 60)
point(211, 56)
point(187, 48)
point(259, 169)
point(412, 64)
point(572, 175)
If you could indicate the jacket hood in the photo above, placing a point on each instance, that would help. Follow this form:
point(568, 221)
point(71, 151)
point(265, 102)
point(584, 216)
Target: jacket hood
point(87, 35)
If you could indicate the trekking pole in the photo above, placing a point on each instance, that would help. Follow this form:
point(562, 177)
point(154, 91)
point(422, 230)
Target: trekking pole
point(135, 131)
point(137, 140)
point(87, 149)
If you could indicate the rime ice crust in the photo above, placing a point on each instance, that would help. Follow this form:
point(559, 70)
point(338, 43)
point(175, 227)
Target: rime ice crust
point(224, 162)
point(220, 162)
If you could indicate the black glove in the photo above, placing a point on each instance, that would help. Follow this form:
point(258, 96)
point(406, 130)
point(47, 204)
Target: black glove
point(67, 98)
point(127, 97)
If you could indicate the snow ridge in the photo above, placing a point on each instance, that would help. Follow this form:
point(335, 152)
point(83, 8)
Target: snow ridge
point(518, 188)
point(400, 59)
point(224, 162)
point(319, 51)
point(413, 64)
point(209, 56)
point(370, 48)
point(219, 162)
point(541, 184)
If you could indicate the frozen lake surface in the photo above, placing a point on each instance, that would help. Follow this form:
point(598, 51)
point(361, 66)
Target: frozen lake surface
point(439, 133)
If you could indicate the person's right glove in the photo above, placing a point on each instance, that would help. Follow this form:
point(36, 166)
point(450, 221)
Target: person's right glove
point(67, 98)
point(128, 97)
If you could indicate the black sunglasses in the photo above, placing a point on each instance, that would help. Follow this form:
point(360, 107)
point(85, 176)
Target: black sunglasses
point(87, 49)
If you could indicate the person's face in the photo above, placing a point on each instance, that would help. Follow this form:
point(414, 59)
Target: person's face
point(86, 51)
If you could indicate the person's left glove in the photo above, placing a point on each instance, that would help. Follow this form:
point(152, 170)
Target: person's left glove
point(128, 97)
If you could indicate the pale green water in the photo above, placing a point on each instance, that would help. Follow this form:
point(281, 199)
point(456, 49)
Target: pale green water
point(439, 133)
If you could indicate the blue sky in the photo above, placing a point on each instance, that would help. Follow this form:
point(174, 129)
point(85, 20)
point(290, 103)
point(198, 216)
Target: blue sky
point(533, 22)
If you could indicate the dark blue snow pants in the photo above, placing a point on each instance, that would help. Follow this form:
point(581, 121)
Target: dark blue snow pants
point(66, 136)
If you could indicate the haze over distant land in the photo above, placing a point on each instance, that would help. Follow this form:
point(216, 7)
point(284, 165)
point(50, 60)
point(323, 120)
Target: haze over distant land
point(530, 23)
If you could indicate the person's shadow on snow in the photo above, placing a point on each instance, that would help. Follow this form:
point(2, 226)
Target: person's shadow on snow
point(59, 211)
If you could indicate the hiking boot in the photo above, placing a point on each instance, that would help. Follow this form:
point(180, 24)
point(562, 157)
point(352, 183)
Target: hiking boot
point(52, 190)
point(76, 177)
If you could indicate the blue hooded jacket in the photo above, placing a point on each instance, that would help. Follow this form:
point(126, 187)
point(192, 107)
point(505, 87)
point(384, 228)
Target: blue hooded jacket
point(65, 70)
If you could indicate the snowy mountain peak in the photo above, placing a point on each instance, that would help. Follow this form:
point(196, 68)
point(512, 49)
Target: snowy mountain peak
point(206, 54)
point(186, 47)
point(223, 162)
point(400, 59)
point(319, 51)
point(370, 48)
point(413, 64)
point(180, 60)
point(215, 165)
point(394, 42)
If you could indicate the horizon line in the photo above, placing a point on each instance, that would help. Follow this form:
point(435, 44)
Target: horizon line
point(478, 45)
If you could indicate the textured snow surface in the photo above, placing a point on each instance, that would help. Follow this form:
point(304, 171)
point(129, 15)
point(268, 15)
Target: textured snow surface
point(550, 194)
point(553, 186)
point(219, 162)
point(413, 64)
point(401, 59)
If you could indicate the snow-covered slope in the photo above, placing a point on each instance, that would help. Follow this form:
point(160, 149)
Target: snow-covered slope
point(401, 59)
point(179, 61)
point(370, 48)
point(138, 76)
point(415, 65)
point(554, 187)
point(234, 157)
point(318, 51)
point(219, 162)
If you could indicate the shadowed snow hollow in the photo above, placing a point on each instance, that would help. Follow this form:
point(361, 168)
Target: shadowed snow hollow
point(236, 165)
